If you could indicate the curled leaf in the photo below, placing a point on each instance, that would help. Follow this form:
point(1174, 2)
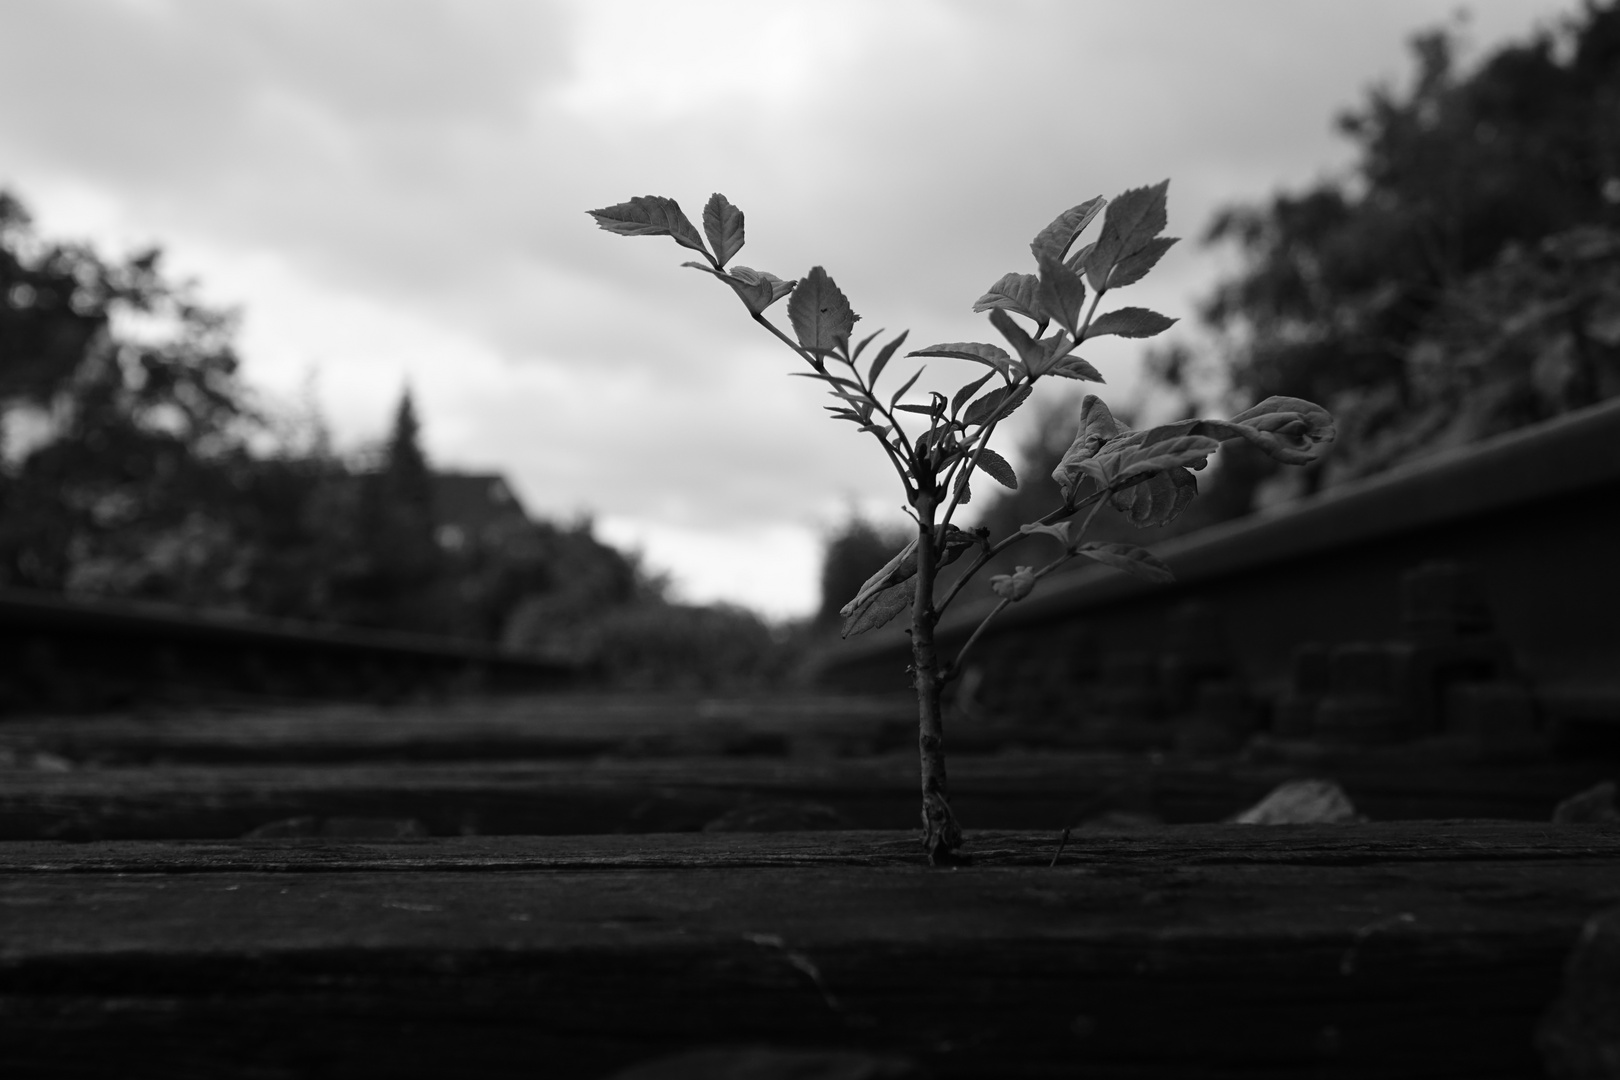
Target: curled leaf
point(1097, 428)
point(1129, 558)
point(1291, 430)
point(1054, 240)
point(1158, 500)
point(723, 224)
point(1016, 293)
point(1127, 459)
point(1014, 586)
point(820, 313)
point(650, 215)
point(757, 289)
point(978, 352)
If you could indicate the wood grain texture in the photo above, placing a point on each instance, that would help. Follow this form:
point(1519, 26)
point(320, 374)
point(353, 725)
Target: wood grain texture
point(1045, 789)
point(1416, 949)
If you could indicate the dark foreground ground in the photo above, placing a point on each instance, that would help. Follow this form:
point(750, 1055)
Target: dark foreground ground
point(618, 886)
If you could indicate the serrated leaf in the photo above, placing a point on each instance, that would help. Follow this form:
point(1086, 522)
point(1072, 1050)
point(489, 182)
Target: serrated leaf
point(900, 393)
point(1133, 218)
point(1131, 559)
point(1158, 500)
point(1127, 459)
point(1293, 429)
point(1014, 292)
point(1054, 240)
point(996, 468)
point(1130, 322)
point(1134, 267)
point(650, 215)
point(820, 314)
point(1062, 294)
point(1073, 367)
point(1097, 428)
point(882, 359)
point(925, 410)
point(889, 591)
point(723, 225)
point(978, 352)
point(998, 404)
point(878, 610)
point(967, 390)
point(1290, 430)
point(964, 490)
point(1048, 353)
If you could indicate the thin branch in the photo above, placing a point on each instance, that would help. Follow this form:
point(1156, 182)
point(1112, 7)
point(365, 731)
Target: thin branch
point(1068, 510)
point(956, 665)
point(901, 465)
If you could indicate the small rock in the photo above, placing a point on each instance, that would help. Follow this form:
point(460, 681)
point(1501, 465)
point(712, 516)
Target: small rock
point(1302, 802)
point(1596, 803)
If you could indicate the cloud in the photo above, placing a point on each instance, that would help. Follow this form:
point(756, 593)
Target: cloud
point(395, 191)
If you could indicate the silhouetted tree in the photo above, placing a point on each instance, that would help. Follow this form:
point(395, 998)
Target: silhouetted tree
point(1476, 199)
point(117, 442)
point(398, 581)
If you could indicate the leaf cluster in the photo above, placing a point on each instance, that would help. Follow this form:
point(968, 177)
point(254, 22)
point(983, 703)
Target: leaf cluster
point(1144, 473)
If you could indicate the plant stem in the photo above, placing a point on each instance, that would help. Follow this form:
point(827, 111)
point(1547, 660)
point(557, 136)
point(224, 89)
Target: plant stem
point(941, 833)
point(956, 665)
point(902, 465)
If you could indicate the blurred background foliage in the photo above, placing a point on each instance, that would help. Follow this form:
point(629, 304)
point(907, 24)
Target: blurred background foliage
point(1461, 279)
point(136, 464)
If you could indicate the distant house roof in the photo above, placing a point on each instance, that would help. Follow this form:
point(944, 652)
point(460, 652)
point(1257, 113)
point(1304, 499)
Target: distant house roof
point(474, 505)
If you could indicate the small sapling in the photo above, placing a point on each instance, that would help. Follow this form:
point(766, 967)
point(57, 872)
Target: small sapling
point(937, 444)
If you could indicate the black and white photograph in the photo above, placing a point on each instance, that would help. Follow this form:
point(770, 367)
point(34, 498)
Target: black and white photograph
point(823, 540)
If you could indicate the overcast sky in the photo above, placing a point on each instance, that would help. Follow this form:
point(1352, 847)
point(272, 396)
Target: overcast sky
point(395, 192)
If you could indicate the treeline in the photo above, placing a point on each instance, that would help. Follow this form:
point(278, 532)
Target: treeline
point(1459, 280)
point(136, 463)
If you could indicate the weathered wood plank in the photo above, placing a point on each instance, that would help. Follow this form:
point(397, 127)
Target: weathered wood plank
point(1389, 950)
point(566, 726)
point(1012, 790)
